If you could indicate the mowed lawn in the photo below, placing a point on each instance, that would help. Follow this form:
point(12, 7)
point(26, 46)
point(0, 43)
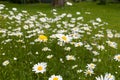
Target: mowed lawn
point(78, 42)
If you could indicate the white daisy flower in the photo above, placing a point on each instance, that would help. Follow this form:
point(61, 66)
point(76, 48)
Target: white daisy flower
point(40, 67)
point(69, 15)
point(89, 72)
point(46, 49)
point(91, 66)
point(78, 13)
point(110, 35)
point(60, 43)
point(24, 11)
point(55, 77)
point(95, 53)
point(87, 12)
point(64, 38)
point(88, 47)
point(99, 35)
point(112, 44)
point(80, 18)
point(67, 48)
point(117, 35)
point(76, 36)
point(25, 26)
point(14, 9)
point(73, 67)
point(61, 60)
point(107, 76)
point(70, 57)
point(79, 44)
point(69, 3)
point(49, 56)
point(100, 47)
point(94, 60)
point(43, 19)
point(79, 71)
point(2, 6)
point(6, 62)
point(15, 58)
point(117, 57)
point(98, 19)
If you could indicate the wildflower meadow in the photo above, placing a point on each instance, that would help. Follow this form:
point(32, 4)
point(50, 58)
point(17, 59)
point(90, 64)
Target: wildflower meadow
point(63, 46)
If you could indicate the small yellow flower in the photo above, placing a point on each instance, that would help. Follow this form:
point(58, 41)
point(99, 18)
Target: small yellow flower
point(43, 38)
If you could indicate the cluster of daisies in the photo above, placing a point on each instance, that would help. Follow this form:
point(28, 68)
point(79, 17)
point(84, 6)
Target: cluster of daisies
point(68, 32)
point(41, 68)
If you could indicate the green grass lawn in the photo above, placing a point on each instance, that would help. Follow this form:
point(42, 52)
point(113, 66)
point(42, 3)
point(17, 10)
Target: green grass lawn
point(70, 44)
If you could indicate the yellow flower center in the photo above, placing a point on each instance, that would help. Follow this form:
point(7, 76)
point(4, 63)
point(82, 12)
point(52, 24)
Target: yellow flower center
point(43, 38)
point(55, 78)
point(119, 57)
point(92, 65)
point(64, 38)
point(78, 44)
point(70, 57)
point(89, 72)
point(40, 68)
point(110, 76)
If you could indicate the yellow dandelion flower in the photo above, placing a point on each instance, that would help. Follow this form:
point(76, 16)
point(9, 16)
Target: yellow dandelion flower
point(43, 38)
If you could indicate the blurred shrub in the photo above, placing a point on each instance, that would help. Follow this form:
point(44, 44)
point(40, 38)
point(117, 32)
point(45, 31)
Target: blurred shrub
point(46, 1)
point(22, 1)
point(28, 1)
